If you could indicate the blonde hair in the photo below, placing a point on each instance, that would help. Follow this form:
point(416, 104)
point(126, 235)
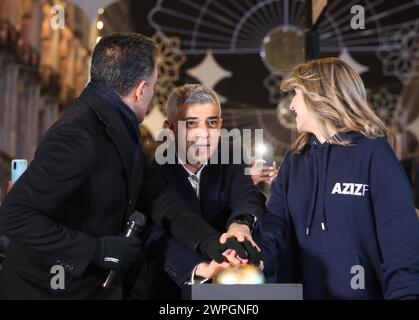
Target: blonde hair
point(335, 93)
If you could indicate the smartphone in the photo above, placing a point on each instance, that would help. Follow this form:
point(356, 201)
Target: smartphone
point(18, 168)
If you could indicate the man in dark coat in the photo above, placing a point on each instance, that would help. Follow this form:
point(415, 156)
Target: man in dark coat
point(65, 216)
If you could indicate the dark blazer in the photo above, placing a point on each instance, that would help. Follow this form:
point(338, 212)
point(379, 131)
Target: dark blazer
point(225, 192)
point(82, 185)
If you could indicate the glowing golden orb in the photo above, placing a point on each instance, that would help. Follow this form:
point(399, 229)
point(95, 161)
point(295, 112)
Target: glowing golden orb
point(242, 274)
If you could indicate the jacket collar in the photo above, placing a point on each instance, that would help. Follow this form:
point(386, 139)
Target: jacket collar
point(209, 185)
point(116, 129)
point(116, 102)
point(352, 136)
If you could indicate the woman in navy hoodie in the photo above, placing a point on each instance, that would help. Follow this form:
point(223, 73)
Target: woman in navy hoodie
point(340, 218)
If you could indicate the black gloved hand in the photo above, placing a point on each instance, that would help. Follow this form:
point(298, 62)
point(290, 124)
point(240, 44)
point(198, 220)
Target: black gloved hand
point(116, 252)
point(214, 249)
point(253, 255)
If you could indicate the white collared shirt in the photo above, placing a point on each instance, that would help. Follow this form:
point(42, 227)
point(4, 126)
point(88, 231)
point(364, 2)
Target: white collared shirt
point(194, 178)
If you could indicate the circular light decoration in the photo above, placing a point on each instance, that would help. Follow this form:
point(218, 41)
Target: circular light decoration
point(283, 48)
point(285, 116)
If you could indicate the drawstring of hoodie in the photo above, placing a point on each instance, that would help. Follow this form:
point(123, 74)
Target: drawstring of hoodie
point(342, 136)
point(314, 195)
point(324, 220)
point(313, 202)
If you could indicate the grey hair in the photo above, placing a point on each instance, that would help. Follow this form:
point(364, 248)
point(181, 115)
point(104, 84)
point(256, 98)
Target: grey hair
point(189, 94)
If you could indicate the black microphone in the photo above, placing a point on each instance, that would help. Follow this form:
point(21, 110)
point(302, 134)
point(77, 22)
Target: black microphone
point(134, 227)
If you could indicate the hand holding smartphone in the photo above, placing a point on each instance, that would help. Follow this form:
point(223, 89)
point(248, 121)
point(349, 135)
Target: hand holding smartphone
point(262, 171)
point(18, 168)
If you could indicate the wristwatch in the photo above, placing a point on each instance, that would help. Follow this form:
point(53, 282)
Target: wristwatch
point(246, 219)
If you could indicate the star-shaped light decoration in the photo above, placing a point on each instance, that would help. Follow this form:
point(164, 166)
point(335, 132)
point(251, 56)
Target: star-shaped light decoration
point(170, 58)
point(209, 73)
point(346, 56)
